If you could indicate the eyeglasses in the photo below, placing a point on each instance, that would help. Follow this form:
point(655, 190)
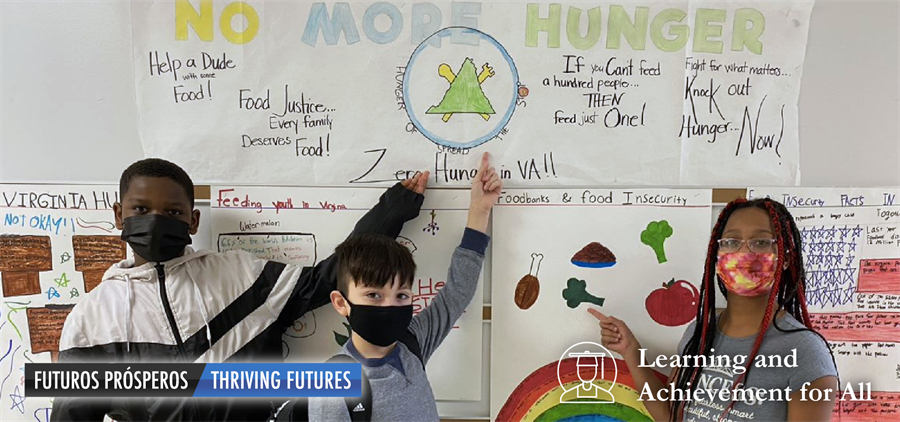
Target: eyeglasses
point(755, 245)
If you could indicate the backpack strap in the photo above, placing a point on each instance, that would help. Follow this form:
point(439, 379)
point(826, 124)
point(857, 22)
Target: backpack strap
point(412, 343)
point(296, 410)
point(360, 408)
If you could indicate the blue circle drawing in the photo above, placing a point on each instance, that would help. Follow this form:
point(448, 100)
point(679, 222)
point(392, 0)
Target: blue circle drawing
point(447, 32)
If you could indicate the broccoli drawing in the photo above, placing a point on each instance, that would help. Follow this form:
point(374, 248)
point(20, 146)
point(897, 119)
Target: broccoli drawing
point(576, 293)
point(655, 235)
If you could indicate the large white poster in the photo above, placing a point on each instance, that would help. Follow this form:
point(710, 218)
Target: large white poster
point(56, 241)
point(851, 253)
point(635, 254)
point(338, 93)
point(740, 119)
point(55, 244)
point(304, 225)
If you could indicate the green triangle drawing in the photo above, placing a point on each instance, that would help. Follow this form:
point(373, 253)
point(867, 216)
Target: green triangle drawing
point(464, 95)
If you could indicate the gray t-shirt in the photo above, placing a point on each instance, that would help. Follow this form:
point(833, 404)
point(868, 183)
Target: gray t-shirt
point(813, 361)
point(400, 387)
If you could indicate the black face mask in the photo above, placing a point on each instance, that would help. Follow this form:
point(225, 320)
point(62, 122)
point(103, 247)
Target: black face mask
point(379, 325)
point(155, 237)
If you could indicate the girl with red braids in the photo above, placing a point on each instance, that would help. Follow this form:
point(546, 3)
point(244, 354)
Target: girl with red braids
point(754, 258)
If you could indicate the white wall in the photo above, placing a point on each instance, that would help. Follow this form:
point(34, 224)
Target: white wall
point(68, 110)
point(849, 114)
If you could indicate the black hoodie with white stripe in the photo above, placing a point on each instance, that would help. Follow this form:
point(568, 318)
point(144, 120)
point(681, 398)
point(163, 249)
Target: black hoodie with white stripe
point(202, 307)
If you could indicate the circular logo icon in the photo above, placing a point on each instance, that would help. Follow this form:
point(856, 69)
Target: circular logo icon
point(460, 87)
point(590, 369)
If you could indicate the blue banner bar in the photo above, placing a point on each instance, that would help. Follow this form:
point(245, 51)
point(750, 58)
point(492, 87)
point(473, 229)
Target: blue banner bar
point(280, 380)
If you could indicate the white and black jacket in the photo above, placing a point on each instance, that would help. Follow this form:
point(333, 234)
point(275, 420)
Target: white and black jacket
point(202, 307)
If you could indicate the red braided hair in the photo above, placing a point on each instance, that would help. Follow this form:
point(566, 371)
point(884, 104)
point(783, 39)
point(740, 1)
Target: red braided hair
point(788, 293)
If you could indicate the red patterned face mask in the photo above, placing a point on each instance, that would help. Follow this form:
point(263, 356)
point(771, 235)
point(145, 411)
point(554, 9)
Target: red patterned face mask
point(747, 274)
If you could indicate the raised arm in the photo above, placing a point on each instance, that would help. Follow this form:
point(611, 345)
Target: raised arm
point(396, 206)
point(433, 324)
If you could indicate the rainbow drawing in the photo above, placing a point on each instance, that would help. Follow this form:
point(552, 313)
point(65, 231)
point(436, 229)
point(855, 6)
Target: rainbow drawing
point(537, 398)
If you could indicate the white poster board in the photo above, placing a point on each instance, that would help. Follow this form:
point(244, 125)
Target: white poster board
point(740, 120)
point(851, 253)
point(338, 93)
point(56, 241)
point(304, 225)
point(625, 274)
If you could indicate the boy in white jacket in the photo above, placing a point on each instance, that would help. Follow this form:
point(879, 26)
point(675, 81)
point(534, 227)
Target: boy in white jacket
point(175, 304)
